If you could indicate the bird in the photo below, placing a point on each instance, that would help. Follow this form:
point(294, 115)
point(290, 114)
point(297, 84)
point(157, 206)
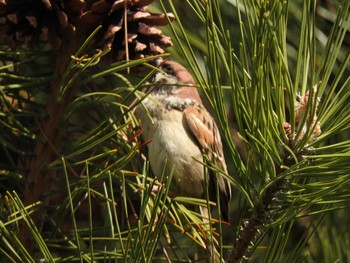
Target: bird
point(181, 133)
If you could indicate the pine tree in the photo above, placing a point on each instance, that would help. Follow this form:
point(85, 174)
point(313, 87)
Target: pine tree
point(75, 183)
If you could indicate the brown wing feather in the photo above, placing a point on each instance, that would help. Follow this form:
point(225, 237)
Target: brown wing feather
point(203, 128)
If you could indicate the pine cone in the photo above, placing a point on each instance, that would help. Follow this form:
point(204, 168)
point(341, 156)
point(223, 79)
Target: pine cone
point(142, 37)
point(33, 21)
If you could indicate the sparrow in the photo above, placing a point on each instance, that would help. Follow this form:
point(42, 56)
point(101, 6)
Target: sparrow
point(181, 134)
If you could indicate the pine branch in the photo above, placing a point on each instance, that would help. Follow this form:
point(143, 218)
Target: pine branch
point(51, 138)
point(254, 225)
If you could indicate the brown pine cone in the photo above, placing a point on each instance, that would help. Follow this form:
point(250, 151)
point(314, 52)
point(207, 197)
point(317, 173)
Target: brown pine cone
point(32, 22)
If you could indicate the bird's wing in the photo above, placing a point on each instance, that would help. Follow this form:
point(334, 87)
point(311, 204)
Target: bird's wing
point(202, 127)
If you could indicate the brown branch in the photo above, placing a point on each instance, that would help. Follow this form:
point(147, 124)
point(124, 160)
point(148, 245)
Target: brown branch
point(39, 178)
point(249, 233)
point(253, 225)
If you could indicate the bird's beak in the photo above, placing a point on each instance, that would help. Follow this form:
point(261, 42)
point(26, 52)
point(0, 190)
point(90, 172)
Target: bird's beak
point(156, 63)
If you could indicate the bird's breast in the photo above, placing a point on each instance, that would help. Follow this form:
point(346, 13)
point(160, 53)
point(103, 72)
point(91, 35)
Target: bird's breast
point(172, 147)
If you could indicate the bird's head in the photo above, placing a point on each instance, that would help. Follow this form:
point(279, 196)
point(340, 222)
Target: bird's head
point(172, 78)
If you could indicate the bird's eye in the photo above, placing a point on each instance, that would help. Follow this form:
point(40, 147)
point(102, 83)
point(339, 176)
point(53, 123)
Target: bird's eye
point(168, 70)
